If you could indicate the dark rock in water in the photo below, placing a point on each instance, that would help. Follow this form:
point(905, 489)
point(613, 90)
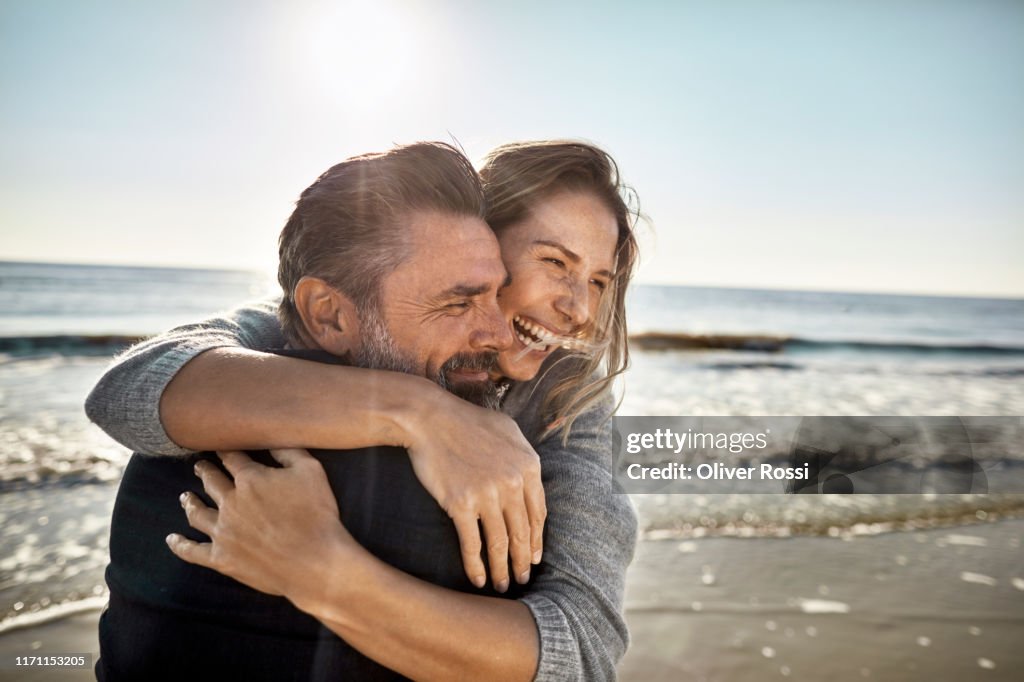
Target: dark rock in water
point(67, 344)
point(678, 341)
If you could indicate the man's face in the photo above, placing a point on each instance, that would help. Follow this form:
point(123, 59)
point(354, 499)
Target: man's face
point(440, 307)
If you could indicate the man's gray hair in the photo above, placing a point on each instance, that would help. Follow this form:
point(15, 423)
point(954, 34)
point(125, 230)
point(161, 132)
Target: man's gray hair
point(349, 228)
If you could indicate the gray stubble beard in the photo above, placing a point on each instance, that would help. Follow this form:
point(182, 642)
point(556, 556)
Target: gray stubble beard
point(378, 350)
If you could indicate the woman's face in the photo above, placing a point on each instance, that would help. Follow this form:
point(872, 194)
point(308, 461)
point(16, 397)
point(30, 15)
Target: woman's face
point(560, 259)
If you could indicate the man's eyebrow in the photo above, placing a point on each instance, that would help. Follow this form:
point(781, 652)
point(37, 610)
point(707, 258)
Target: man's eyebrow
point(570, 255)
point(465, 291)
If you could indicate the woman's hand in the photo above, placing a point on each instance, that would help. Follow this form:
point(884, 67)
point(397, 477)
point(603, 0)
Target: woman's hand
point(268, 524)
point(478, 466)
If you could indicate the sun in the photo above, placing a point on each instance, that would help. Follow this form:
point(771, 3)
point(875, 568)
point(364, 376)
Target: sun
point(361, 53)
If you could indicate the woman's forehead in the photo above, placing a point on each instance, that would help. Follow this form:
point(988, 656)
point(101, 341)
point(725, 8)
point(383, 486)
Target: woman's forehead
point(577, 222)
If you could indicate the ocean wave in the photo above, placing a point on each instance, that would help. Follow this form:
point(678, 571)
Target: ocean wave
point(42, 477)
point(775, 343)
point(684, 341)
point(66, 344)
point(684, 517)
point(997, 372)
point(92, 344)
point(51, 613)
point(785, 366)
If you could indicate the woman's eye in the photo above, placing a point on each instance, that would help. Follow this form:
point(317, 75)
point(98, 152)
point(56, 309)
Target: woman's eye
point(601, 286)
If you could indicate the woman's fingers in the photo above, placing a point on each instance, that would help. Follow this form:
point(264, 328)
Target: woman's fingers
point(235, 461)
point(496, 537)
point(189, 550)
point(507, 533)
point(216, 484)
point(200, 517)
point(536, 507)
point(469, 541)
point(289, 457)
point(518, 526)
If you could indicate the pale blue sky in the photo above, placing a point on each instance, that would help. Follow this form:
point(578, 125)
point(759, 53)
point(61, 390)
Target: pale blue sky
point(826, 145)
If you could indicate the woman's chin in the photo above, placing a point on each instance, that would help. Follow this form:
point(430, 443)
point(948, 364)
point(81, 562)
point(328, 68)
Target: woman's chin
point(519, 370)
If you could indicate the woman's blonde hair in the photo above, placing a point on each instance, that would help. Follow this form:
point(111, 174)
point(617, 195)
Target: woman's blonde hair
point(516, 176)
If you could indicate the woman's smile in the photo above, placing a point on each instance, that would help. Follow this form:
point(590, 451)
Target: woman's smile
point(531, 333)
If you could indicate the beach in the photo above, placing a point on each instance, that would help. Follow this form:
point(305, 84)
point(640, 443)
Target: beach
point(723, 587)
point(941, 604)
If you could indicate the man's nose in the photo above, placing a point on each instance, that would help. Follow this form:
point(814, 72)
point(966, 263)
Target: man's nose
point(493, 332)
point(574, 304)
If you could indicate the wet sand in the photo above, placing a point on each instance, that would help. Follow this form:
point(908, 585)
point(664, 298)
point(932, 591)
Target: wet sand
point(942, 604)
point(75, 634)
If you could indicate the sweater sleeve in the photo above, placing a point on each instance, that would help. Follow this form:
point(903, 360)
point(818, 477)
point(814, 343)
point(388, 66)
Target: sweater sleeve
point(577, 597)
point(125, 403)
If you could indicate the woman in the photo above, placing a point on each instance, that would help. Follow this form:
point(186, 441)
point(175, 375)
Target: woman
point(566, 237)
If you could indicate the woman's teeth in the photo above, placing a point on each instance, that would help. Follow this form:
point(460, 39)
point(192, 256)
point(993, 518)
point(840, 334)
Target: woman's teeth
point(530, 334)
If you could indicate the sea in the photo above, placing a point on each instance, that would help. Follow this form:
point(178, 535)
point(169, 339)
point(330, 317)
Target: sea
point(696, 351)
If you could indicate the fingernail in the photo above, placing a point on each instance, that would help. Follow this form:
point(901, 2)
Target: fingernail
point(196, 468)
point(169, 539)
point(524, 577)
point(536, 556)
point(479, 581)
point(182, 497)
point(502, 585)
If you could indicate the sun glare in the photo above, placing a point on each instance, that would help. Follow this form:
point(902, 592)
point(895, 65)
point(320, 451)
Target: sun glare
point(360, 54)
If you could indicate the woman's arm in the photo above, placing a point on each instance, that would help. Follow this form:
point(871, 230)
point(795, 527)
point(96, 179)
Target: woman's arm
point(418, 629)
point(194, 388)
point(125, 403)
point(277, 530)
point(576, 597)
point(208, 386)
point(475, 462)
point(267, 535)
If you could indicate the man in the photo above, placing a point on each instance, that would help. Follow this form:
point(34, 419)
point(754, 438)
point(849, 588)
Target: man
point(377, 256)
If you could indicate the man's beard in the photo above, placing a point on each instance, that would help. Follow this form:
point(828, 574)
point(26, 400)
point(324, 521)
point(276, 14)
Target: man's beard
point(379, 351)
point(483, 393)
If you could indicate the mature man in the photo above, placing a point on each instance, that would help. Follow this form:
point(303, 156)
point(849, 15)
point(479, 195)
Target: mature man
point(404, 226)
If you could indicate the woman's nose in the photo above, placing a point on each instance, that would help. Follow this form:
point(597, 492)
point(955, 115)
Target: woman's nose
point(574, 304)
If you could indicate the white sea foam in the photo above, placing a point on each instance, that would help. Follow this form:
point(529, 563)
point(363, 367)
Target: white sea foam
point(823, 606)
point(978, 579)
point(966, 540)
point(25, 620)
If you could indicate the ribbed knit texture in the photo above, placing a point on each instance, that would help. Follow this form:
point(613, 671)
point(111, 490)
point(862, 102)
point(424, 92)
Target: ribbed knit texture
point(126, 401)
point(575, 597)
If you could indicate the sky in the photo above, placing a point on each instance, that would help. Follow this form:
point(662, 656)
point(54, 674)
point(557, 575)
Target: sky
point(875, 145)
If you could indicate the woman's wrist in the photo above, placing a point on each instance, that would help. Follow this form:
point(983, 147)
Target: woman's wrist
point(325, 584)
point(416, 405)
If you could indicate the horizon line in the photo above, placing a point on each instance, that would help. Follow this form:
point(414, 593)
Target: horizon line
point(654, 283)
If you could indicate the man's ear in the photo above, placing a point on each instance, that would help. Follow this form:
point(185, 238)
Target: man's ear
point(328, 315)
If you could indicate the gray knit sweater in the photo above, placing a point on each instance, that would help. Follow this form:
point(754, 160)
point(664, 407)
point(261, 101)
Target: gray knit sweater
point(591, 531)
